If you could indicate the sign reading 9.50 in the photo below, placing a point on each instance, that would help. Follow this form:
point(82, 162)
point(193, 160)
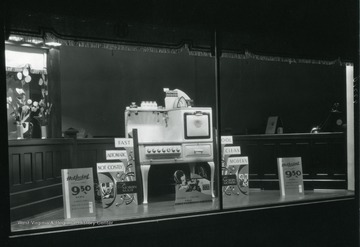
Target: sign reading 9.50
point(76, 190)
point(293, 174)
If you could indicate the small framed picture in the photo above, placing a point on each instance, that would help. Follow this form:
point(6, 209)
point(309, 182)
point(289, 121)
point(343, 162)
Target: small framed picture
point(271, 125)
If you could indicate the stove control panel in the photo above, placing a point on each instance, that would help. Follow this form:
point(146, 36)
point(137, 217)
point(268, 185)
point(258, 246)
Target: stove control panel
point(163, 150)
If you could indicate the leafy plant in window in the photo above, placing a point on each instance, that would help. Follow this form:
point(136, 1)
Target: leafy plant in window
point(21, 106)
point(44, 105)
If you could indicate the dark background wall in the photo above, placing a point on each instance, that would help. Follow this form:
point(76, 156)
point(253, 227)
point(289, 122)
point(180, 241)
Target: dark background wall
point(98, 84)
point(302, 95)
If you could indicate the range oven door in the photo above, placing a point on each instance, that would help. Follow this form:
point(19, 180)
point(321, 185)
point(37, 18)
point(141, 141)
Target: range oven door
point(197, 125)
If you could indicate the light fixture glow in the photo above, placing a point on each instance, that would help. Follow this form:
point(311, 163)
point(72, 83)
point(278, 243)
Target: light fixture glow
point(36, 41)
point(52, 43)
point(15, 38)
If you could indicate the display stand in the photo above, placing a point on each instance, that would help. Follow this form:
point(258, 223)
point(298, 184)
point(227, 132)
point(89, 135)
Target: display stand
point(118, 180)
point(291, 181)
point(235, 174)
point(78, 194)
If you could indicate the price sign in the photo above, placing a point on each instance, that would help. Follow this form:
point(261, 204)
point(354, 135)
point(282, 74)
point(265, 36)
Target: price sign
point(78, 193)
point(293, 173)
point(76, 190)
point(290, 176)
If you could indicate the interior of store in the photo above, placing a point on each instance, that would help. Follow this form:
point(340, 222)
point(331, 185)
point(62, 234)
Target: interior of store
point(182, 125)
point(96, 92)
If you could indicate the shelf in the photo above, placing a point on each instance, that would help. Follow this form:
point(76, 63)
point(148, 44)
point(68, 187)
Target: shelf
point(165, 206)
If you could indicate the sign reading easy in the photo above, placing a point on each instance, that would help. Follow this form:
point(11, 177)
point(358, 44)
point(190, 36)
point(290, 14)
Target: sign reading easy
point(124, 143)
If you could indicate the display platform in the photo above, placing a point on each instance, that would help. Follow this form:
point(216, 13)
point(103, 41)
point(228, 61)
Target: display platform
point(165, 206)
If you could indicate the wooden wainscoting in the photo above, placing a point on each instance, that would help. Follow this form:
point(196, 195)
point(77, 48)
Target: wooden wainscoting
point(35, 170)
point(35, 165)
point(35, 174)
point(323, 157)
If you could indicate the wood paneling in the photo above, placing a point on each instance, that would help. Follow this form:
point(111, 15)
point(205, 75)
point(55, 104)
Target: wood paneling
point(35, 165)
point(323, 157)
point(35, 169)
point(49, 165)
point(15, 169)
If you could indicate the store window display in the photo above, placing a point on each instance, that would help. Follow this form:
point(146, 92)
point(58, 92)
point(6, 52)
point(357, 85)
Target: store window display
point(289, 70)
point(178, 120)
point(147, 126)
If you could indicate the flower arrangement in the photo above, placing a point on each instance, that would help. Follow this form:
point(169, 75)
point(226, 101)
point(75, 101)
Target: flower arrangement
point(44, 106)
point(22, 107)
point(17, 101)
point(25, 110)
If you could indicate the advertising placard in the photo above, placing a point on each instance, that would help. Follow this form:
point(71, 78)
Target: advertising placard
point(117, 184)
point(235, 177)
point(290, 176)
point(232, 150)
point(191, 189)
point(116, 155)
point(235, 174)
point(78, 193)
point(226, 140)
point(124, 143)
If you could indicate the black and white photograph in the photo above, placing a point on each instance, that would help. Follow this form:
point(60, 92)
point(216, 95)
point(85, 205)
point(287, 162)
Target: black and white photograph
point(171, 123)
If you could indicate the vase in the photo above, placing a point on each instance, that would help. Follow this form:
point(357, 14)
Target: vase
point(24, 130)
point(19, 131)
point(44, 130)
point(27, 128)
